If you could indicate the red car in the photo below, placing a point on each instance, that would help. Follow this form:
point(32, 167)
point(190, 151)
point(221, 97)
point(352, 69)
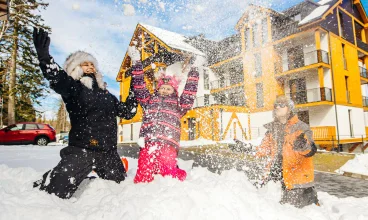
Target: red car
point(28, 133)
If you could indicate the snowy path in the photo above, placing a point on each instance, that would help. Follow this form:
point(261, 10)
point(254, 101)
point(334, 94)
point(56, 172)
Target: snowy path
point(204, 195)
point(341, 186)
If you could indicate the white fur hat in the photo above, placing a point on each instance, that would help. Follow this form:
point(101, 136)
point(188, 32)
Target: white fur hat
point(73, 68)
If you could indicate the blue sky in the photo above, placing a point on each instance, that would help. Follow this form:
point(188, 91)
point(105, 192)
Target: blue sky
point(104, 28)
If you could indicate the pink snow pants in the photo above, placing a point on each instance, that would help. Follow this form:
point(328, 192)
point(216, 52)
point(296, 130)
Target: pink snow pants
point(158, 158)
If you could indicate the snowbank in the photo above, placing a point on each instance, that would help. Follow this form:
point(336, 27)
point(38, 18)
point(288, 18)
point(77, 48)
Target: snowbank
point(358, 165)
point(204, 195)
point(40, 158)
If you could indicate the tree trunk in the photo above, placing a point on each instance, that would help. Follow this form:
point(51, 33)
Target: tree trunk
point(13, 76)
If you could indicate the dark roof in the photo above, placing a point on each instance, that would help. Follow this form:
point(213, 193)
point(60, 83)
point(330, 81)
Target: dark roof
point(217, 50)
point(305, 8)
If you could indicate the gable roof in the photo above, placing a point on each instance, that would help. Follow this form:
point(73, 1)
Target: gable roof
point(319, 12)
point(172, 39)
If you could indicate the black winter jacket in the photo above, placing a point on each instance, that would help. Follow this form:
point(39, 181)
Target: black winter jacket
point(92, 112)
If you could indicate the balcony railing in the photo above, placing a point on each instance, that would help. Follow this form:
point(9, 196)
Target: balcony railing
point(218, 84)
point(203, 101)
point(363, 72)
point(311, 95)
point(323, 133)
point(313, 57)
point(365, 101)
point(362, 45)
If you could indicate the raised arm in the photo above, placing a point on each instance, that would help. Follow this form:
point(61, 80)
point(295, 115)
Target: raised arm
point(190, 90)
point(59, 80)
point(138, 84)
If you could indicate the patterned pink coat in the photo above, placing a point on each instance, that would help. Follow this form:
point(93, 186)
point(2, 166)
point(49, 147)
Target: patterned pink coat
point(162, 114)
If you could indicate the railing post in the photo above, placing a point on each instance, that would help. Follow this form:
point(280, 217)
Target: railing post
point(323, 93)
point(319, 56)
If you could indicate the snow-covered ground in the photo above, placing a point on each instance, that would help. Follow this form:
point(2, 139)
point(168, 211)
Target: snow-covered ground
point(204, 195)
point(358, 165)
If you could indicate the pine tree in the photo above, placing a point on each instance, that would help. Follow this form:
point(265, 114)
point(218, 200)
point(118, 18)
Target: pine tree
point(62, 123)
point(25, 84)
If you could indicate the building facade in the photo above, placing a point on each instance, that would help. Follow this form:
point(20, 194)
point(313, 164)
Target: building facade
point(314, 52)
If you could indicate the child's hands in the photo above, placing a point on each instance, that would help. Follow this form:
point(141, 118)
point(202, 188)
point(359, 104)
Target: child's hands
point(134, 54)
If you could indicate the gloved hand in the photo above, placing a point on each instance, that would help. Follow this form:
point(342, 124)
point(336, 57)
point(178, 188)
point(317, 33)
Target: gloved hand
point(134, 54)
point(300, 142)
point(41, 41)
point(199, 61)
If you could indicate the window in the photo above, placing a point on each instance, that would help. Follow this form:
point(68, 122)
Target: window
point(206, 100)
point(247, 38)
point(344, 57)
point(342, 25)
point(258, 64)
point(359, 29)
point(295, 57)
point(206, 80)
point(264, 31)
point(350, 124)
point(16, 127)
point(31, 127)
point(303, 116)
point(40, 126)
point(347, 89)
point(298, 17)
point(259, 90)
point(237, 99)
point(255, 31)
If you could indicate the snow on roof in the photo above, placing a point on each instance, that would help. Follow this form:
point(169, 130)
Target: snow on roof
point(316, 13)
point(172, 39)
point(324, 2)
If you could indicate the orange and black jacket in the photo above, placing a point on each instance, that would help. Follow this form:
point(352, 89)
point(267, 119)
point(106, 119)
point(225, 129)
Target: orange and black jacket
point(297, 162)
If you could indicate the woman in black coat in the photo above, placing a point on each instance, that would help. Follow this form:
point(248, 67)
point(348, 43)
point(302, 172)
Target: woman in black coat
point(92, 111)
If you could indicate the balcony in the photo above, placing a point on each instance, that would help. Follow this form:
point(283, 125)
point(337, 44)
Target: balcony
point(362, 45)
point(304, 59)
point(365, 101)
point(363, 75)
point(203, 101)
point(223, 83)
point(311, 96)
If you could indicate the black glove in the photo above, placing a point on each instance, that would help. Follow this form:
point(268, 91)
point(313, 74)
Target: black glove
point(300, 142)
point(41, 41)
point(131, 104)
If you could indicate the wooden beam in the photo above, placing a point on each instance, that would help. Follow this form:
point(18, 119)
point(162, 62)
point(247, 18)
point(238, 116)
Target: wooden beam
point(351, 149)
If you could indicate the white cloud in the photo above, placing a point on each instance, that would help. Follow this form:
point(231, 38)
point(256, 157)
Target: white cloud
point(143, 1)
point(128, 10)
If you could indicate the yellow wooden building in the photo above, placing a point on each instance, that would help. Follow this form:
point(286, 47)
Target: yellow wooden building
point(314, 52)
